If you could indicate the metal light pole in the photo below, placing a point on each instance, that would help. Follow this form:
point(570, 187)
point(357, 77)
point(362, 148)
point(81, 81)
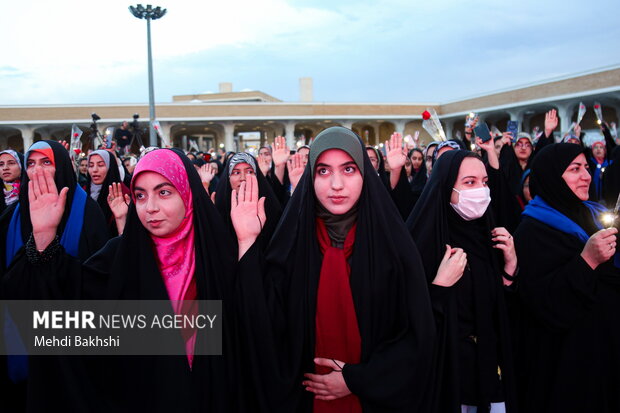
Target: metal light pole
point(149, 13)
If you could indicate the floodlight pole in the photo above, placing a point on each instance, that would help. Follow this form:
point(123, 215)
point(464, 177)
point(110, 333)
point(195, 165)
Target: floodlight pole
point(149, 13)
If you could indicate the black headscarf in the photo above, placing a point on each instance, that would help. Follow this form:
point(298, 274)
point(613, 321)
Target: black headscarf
point(112, 176)
point(546, 181)
point(419, 177)
point(475, 304)
point(272, 204)
point(383, 175)
point(63, 177)
point(389, 293)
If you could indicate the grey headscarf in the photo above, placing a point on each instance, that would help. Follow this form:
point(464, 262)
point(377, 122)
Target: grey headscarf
point(337, 137)
point(241, 157)
point(94, 188)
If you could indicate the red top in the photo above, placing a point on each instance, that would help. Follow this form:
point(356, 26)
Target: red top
point(337, 332)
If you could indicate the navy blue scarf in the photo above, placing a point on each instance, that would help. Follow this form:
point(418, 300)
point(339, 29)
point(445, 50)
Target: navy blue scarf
point(17, 365)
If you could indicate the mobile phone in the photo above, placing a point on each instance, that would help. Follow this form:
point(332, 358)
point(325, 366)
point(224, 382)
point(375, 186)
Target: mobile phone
point(512, 127)
point(482, 131)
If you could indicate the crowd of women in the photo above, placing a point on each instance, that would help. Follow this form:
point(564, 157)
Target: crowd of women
point(457, 281)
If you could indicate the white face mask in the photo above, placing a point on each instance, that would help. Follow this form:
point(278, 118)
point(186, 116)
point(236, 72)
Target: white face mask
point(473, 203)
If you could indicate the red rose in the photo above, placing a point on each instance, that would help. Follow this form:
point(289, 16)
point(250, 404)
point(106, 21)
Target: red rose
point(426, 115)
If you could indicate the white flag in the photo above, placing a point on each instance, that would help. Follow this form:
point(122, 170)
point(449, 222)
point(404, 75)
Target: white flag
point(165, 142)
point(76, 142)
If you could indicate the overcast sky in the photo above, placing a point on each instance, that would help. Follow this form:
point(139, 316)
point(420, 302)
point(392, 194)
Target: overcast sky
point(87, 51)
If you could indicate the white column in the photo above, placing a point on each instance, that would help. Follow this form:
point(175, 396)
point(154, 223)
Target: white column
point(448, 126)
point(229, 135)
point(565, 112)
point(518, 116)
point(27, 135)
point(184, 143)
point(399, 126)
point(289, 133)
point(166, 128)
point(347, 124)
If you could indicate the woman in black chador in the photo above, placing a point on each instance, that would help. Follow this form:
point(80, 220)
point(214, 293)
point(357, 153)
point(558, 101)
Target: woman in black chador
point(81, 232)
point(238, 168)
point(174, 247)
point(570, 291)
point(345, 296)
point(472, 368)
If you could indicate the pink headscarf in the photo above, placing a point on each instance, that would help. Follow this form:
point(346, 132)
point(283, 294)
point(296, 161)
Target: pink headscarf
point(175, 254)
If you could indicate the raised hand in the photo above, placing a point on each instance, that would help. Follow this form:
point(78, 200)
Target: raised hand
point(65, 144)
point(296, 169)
point(280, 152)
point(247, 213)
point(505, 242)
point(601, 246)
point(551, 122)
point(329, 386)
point(395, 154)
point(206, 172)
point(119, 205)
point(264, 164)
point(451, 267)
point(47, 206)
point(118, 202)
point(507, 138)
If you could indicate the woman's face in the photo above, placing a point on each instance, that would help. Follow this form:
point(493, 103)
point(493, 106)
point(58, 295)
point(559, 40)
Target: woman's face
point(578, 178)
point(598, 150)
point(37, 160)
point(9, 168)
point(523, 149)
point(304, 152)
point(337, 181)
point(84, 166)
point(239, 174)
point(472, 175)
point(429, 158)
point(159, 205)
point(97, 169)
point(416, 160)
point(498, 144)
point(372, 155)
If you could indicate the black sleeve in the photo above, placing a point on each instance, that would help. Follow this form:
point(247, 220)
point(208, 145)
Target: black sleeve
point(543, 141)
point(403, 196)
point(59, 276)
point(396, 374)
point(264, 377)
point(610, 144)
point(95, 231)
point(556, 285)
point(504, 204)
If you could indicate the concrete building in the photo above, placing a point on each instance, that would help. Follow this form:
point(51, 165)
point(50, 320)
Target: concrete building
point(224, 118)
